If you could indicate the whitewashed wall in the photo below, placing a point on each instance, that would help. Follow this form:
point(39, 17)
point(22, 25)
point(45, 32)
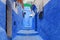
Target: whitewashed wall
point(40, 4)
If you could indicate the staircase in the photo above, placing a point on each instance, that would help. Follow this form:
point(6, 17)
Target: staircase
point(27, 32)
point(27, 35)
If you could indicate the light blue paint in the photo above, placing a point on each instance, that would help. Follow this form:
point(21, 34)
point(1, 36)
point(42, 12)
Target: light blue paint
point(3, 35)
point(37, 37)
point(27, 35)
point(27, 18)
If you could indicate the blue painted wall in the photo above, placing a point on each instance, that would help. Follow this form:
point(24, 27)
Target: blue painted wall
point(28, 21)
point(34, 9)
point(17, 21)
point(2, 15)
point(3, 35)
point(49, 26)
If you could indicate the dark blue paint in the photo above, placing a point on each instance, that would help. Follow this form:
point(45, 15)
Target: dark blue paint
point(33, 34)
point(49, 27)
point(34, 8)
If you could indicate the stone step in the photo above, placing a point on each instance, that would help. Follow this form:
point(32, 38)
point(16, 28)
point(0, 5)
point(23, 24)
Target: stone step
point(37, 37)
point(27, 32)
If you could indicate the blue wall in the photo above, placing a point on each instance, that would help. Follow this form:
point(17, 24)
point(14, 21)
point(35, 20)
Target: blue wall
point(28, 21)
point(3, 35)
point(49, 26)
point(2, 15)
point(16, 24)
point(17, 21)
